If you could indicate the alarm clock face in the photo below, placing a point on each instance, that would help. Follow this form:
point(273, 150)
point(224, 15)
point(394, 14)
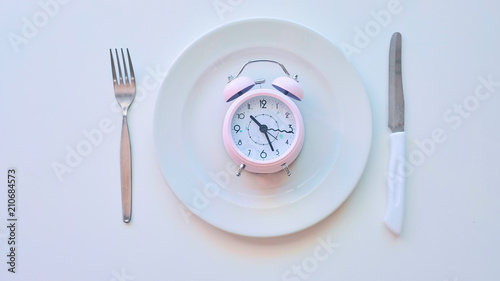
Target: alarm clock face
point(263, 128)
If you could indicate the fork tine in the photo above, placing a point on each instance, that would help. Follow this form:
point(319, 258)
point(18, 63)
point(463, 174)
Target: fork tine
point(132, 75)
point(113, 67)
point(125, 68)
point(119, 67)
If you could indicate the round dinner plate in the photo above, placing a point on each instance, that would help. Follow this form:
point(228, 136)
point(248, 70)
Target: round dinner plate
point(190, 110)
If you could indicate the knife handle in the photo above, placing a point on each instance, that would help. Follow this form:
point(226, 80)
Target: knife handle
point(396, 183)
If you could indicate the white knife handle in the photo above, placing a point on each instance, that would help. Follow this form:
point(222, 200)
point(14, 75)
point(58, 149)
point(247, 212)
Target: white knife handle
point(396, 183)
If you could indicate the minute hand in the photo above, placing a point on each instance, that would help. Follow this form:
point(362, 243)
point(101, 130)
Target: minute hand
point(269, 141)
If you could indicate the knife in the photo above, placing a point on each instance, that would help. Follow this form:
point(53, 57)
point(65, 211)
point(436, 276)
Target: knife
point(396, 171)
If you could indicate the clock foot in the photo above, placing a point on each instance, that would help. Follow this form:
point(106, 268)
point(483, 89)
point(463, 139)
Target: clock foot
point(242, 167)
point(286, 169)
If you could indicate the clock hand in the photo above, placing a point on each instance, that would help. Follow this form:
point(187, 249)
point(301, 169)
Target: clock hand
point(255, 120)
point(263, 129)
point(281, 131)
point(274, 137)
point(269, 141)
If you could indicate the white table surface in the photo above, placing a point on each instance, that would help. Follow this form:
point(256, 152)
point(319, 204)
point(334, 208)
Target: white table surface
point(56, 84)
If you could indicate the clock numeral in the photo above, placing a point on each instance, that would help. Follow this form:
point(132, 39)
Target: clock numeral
point(237, 128)
point(287, 142)
point(277, 152)
point(249, 151)
point(248, 106)
point(277, 104)
point(287, 114)
point(239, 142)
point(263, 154)
point(263, 103)
point(241, 115)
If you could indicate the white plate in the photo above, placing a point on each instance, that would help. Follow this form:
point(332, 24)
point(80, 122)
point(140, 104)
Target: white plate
point(190, 111)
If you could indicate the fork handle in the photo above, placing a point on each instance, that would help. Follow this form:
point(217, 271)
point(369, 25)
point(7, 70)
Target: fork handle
point(126, 172)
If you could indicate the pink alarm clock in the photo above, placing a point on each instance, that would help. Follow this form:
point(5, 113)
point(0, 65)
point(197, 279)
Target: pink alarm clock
point(263, 130)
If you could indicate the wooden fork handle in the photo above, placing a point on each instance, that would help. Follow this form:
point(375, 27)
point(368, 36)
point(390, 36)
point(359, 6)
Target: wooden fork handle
point(126, 172)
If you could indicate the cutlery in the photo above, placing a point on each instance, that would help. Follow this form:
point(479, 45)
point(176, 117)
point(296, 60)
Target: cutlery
point(396, 171)
point(124, 93)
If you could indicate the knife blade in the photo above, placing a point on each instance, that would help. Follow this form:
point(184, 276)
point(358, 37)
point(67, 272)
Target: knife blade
point(393, 218)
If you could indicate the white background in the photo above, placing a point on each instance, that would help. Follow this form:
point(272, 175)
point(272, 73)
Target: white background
point(56, 84)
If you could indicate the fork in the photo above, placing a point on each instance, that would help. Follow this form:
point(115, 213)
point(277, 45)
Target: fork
point(124, 93)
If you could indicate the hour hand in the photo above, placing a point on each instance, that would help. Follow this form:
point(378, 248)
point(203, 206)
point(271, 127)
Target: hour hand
point(255, 120)
point(263, 129)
